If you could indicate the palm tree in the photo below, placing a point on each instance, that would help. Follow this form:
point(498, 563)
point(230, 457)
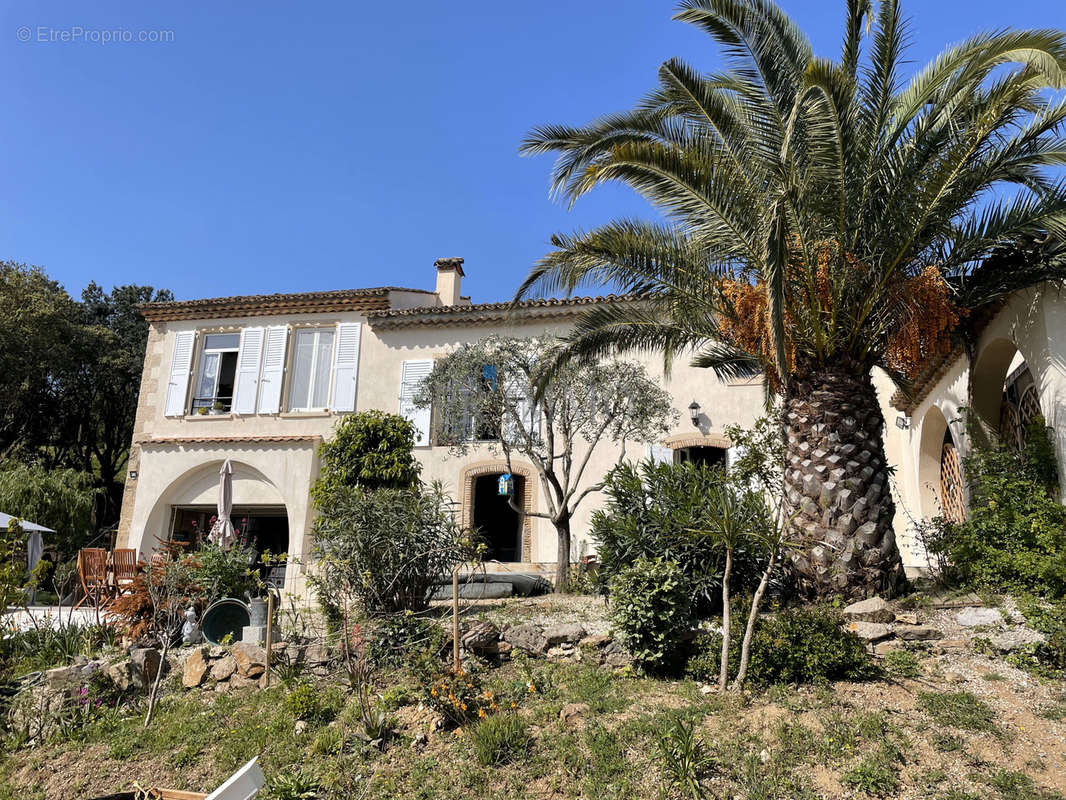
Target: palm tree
point(823, 218)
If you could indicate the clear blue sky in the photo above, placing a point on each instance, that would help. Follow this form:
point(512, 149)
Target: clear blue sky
point(311, 145)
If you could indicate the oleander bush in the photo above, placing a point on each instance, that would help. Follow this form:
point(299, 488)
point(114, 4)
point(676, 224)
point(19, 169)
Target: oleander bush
point(659, 511)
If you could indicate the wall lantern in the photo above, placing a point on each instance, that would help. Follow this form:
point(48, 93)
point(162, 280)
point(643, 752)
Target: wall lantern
point(694, 412)
point(133, 474)
point(505, 485)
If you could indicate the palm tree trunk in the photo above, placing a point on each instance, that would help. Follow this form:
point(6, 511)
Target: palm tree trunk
point(836, 484)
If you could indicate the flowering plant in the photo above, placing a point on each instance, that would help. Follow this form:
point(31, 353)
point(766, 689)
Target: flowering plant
point(459, 697)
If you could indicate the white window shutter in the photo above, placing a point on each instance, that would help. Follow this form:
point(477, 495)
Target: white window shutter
point(180, 367)
point(246, 385)
point(518, 396)
point(273, 369)
point(346, 366)
point(411, 375)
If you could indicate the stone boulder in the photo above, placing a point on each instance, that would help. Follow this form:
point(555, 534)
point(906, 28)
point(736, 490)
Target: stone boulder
point(250, 659)
point(146, 663)
point(912, 633)
point(573, 714)
point(1016, 639)
point(873, 609)
point(195, 669)
point(222, 669)
point(480, 636)
point(977, 617)
point(564, 633)
point(870, 631)
point(527, 637)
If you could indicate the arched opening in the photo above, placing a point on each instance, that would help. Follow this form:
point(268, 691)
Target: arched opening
point(494, 518)
point(1005, 395)
point(935, 435)
point(259, 516)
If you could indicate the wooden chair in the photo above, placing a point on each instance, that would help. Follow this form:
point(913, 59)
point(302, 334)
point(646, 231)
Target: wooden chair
point(92, 570)
point(124, 569)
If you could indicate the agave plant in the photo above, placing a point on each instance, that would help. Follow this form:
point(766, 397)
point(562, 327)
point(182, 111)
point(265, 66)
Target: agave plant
point(823, 218)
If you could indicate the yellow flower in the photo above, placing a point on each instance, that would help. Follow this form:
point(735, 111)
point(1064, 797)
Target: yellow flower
point(462, 706)
point(532, 689)
point(481, 713)
point(433, 692)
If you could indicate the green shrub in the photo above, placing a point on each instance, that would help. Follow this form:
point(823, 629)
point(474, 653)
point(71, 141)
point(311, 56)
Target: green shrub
point(901, 663)
point(651, 609)
point(385, 549)
point(302, 703)
point(397, 639)
point(1047, 658)
point(371, 449)
point(500, 740)
point(396, 697)
point(797, 645)
point(877, 775)
point(653, 511)
point(300, 784)
point(1014, 538)
point(221, 572)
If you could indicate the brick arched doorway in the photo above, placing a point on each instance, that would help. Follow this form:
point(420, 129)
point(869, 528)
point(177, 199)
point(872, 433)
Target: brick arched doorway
point(480, 478)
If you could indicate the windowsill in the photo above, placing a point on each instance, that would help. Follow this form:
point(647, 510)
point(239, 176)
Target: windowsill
point(203, 417)
point(305, 414)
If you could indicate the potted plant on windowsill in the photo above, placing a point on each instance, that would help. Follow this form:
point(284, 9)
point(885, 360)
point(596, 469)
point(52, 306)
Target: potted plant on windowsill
point(202, 411)
point(217, 408)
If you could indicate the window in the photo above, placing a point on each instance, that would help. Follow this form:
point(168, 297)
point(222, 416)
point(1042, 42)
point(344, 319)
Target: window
point(312, 363)
point(218, 370)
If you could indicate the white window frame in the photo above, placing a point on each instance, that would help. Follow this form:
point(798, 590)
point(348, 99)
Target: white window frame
point(202, 352)
point(294, 334)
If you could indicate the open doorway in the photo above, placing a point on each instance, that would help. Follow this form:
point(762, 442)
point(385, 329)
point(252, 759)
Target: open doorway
point(264, 528)
point(499, 525)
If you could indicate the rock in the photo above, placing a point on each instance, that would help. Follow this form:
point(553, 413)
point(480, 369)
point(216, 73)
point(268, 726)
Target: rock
point(316, 654)
point(419, 741)
point(497, 649)
point(1016, 639)
point(882, 649)
point(564, 652)
point(145, 662)
point(954, 677)
point(121, 675)
point(912, 633)
point(222, 669)
point(870, 631)
point(873, 609)
point(480, 636)
point(947, 645)
point(573, 713)
point(706, 689)
point(250, 659)
point(597, 640)
point(238, 681)
point(195, 668)
point(216, 651)
point(571, 632)
point(975, 617)
point(907, 618)
point(222, 687)
point(61, 675)
point(527, 637)
point(300, 728)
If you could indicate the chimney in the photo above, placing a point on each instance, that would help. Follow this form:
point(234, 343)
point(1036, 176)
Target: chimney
point(449, 277)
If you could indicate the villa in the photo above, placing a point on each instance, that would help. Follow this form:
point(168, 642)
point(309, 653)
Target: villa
point(262, 380)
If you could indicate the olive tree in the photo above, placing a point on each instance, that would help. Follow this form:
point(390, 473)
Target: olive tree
point(496, 393)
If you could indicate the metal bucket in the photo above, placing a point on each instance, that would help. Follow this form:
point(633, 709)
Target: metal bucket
point(228, 616)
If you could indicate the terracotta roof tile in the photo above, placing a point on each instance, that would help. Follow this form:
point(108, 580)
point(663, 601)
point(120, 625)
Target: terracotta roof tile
point(273, 304)
point(484, 313)
point(178, 440)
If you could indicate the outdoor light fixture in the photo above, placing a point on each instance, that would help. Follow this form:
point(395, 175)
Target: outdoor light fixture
point(505, 485)
point(694, 412)
point(902, 422)
point(133, 474)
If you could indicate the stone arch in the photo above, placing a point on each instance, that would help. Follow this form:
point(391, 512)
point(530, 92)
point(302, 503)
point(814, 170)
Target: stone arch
point(199, 486)
point(469, 474)
point(707, 440)
point(989, 373)
point(934, 428)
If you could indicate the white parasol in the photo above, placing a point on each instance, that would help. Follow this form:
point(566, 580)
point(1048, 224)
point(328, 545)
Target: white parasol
point(222, 532)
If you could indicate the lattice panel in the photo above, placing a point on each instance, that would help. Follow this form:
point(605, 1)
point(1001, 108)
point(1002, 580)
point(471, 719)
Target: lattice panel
point(951, 497)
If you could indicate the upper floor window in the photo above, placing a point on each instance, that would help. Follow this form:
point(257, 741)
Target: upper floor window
point(217, 373)
point(312, 362)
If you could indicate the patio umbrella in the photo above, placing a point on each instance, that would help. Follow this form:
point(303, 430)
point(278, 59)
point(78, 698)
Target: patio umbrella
point(222, 532)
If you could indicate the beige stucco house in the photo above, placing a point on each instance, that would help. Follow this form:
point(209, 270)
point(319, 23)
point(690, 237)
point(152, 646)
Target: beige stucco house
point(262, 380)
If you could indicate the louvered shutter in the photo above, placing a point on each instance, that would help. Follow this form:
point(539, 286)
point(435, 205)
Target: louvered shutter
point(411, 375)
point(273, 369)
point(180, 367)
point(346, 366)
point(519, 398)
point(246, 385)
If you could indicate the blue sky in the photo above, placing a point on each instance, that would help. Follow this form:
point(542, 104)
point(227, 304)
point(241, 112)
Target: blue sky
point(298, 146)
